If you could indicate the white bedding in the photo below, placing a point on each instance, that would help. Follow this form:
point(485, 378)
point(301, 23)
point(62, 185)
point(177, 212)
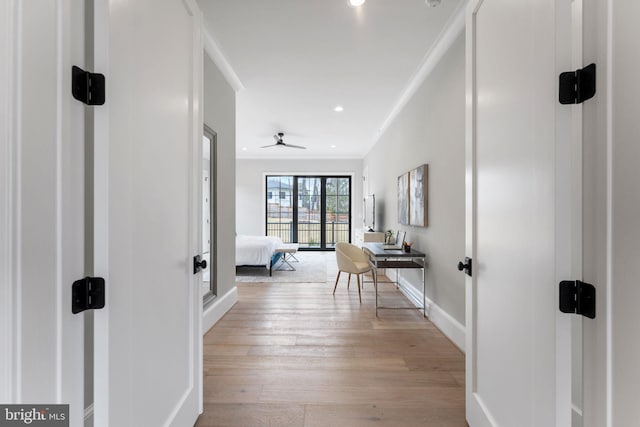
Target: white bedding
point(256, 250)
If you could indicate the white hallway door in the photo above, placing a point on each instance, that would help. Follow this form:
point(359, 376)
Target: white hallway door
point(518, 226)
point(613, 344)
point(41, 204)
point(148, 354)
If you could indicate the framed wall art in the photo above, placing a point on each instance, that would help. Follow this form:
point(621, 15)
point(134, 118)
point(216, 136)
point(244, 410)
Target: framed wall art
point(403, 199)
point(418, 187)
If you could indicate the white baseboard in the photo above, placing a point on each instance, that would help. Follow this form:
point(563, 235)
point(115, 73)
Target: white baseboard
point(449, 326)
point(88, 416)
point(218, 308)
point(576, 416)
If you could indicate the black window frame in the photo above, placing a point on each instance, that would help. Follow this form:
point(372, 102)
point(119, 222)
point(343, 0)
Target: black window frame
point(323, 207)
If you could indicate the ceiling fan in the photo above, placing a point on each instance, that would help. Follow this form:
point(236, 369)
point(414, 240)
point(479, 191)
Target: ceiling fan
point(280, 142)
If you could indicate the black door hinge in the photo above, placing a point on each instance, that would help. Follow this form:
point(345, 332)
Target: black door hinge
point(467, 267)
point(578, 297)
point(87, 87)
point(87, 294)
point(577, 86)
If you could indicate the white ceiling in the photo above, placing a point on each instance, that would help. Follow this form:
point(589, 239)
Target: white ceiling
point(298, 59)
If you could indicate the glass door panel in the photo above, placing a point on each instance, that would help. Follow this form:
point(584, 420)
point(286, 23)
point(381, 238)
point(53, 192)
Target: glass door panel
point(280, 207)
point(337, 211)
point(309, 212)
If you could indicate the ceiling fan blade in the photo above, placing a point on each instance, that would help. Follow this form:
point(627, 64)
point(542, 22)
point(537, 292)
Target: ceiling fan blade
point(278, 137)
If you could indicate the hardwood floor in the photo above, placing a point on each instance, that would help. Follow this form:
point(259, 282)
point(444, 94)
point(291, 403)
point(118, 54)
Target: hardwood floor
point(291, 354)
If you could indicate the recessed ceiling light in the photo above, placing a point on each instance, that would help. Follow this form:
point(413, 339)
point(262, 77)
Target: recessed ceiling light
point(333, 146)
point(244, 148)
point(338, 109)
point(356, 3)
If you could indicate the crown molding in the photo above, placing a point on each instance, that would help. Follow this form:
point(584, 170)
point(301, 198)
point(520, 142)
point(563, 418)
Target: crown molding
point(212, 48)
point(454, 27)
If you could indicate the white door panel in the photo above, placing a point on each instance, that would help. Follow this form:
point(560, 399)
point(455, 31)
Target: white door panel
point(41, 217)
point(512, 214)
point(625, 212)
point(574, 195)
point(154, 302)
point(612, 200)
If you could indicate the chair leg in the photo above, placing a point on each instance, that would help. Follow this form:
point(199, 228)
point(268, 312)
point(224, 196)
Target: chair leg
point(348, 281)
point(359, 295)
point(337, 278)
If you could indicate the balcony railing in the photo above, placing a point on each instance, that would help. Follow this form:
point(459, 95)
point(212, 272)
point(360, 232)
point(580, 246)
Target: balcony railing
point(309, 233)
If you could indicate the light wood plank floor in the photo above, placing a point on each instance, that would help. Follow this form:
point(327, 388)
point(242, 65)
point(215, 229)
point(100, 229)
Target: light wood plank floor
point(291, 354)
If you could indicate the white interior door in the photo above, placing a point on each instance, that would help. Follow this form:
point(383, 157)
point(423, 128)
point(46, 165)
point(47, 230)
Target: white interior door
point(612, 200)
point(41, 204)
point(148, 359)
point(575, 198)
point(519, 213)
point(623, 213)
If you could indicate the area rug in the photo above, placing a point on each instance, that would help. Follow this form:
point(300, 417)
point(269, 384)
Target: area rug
point(311, 268)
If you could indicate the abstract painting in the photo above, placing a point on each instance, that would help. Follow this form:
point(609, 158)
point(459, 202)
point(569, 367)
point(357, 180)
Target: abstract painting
point(403, 199)
point(418, 196)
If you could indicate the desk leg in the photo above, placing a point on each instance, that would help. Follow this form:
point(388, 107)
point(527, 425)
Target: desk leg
point(375, 285)
point(424, 291)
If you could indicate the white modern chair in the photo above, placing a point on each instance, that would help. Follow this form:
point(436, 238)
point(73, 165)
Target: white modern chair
point(351, 259)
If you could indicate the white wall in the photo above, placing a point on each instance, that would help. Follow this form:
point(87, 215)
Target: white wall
point(250, 187)
point(220, 116)
point(430, 129)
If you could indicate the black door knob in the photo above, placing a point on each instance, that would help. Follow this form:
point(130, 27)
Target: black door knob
point(465, 266)
point(198, 264)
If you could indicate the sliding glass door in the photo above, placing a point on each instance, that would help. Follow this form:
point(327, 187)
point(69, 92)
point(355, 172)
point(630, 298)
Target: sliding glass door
point(337, 211)
point(308, 212)
point(279, 207)
point(313, 211)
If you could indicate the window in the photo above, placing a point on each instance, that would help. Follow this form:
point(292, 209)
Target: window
point(314, 211)
point(280, 211)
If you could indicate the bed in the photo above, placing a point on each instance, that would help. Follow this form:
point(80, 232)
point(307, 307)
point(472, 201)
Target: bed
point(257, 251)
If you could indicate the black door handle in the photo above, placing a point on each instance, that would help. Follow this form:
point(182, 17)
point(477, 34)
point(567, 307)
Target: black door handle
point(199, 264)
point(466, 266)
